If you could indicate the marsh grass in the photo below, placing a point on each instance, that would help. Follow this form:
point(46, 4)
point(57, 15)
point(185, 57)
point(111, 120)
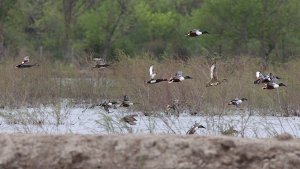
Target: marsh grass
point(23, 118)
point(50, 82)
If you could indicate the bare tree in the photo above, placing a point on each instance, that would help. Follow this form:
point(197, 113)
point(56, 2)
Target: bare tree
point(111, 27)
point(71, 10)
point(5, 6)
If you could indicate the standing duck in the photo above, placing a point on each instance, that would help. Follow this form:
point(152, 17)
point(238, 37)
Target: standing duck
point(25, 63)
point(152, 75)
point(195, 33)
point(236, 102)
point(130, 119)
point(213, 77)
point(193, 129)
point(100, 63)
point(178, 77)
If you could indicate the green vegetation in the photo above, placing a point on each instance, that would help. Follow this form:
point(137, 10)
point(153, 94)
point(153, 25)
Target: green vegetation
point(74, 30)
point(63, 37)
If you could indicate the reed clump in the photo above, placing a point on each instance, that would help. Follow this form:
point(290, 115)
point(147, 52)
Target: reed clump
point(50, 82)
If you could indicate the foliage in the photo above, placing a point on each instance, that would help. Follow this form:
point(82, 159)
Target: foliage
point(264, 28)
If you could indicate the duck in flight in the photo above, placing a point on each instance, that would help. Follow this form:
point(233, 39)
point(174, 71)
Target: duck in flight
point(261, 78)
point(214, 81)
point(195, 33)
point(273, 85)
point(25, 63)
point(179, 77)
point(152, 75)
point(194, 128)
point(236, 102)
point(100, 63)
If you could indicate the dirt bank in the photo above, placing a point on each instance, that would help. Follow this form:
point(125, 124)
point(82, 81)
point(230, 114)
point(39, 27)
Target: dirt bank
point(146, 151)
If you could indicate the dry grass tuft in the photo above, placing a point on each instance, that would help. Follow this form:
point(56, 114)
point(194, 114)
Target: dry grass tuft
point(50, 82)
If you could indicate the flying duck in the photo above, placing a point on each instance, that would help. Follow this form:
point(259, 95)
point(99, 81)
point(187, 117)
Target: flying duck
point(25, 63)
point(261, 78)
point(195, 32)
point(213, 77)
point(152, 75)
point(100, 63)
point(193, 129)
point(126, 102)
point(273, 85)
point(130, 119)
point(236, 102)
point(179, 77)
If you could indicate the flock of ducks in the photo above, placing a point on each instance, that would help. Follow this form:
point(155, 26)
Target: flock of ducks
point(269, 80)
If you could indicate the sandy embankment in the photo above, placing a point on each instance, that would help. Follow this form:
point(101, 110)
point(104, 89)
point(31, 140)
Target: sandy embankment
point(146, 151)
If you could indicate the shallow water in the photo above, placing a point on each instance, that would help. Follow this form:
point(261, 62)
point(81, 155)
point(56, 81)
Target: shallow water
point(63, 120)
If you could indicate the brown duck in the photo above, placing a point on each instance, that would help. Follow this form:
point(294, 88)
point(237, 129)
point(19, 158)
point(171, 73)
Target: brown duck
point(193, 129)
point(130, 119)
point(214, 81)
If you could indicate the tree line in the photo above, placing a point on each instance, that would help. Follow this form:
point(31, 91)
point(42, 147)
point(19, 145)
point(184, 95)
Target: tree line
point(268, 29)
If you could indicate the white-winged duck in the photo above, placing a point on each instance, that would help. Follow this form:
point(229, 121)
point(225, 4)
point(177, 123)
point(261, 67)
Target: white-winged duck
point(25, 63)
point(152, 76)
point(195, 33)
point(179, 77)
point(261, 78)
point(193, 129)
point(236, 102)
point(100, 63)
point(130, 119)
point(25, 59)
point(214, 81)
point(273, 85)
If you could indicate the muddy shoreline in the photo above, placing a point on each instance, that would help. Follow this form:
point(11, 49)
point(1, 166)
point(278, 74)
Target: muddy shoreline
point(146, 151)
